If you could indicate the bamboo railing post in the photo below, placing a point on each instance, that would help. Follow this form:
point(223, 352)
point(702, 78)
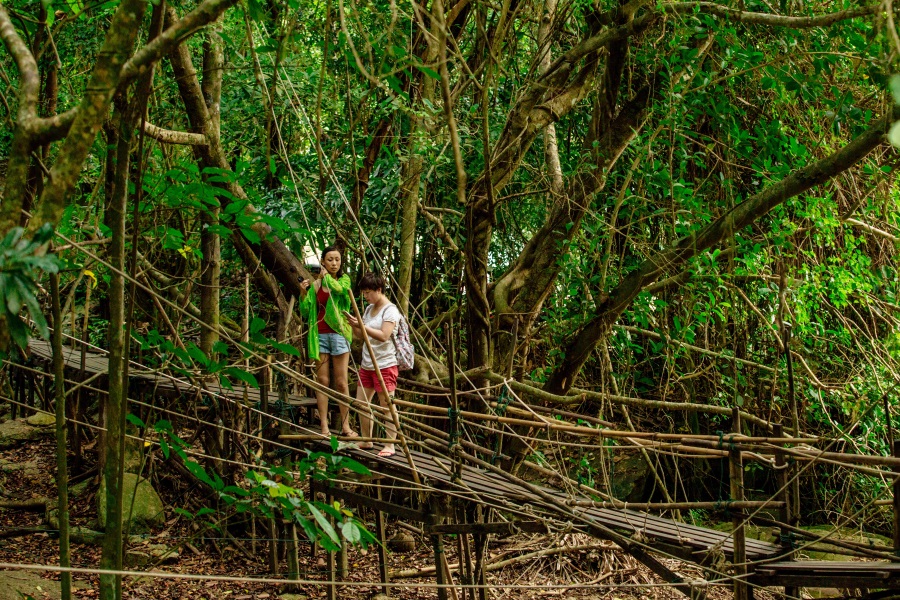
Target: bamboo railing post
point(782, 477)
point(736, 472)
point(314, 546)
point(437, 545)
point(14, 379)
point(795, 421)
point(273, 547)
point(382, 550)
point(62, 475)
point(896, 490)
point(293, 553)
point(454, 405)
point(332, 586)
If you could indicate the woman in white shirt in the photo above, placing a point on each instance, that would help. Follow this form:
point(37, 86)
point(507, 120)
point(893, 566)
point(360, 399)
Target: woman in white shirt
point(379, 318)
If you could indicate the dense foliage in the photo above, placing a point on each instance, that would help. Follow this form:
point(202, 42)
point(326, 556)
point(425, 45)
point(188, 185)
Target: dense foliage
point(585, 159)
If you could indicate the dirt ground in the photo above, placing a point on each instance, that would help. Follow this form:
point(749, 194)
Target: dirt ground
point(596, 570)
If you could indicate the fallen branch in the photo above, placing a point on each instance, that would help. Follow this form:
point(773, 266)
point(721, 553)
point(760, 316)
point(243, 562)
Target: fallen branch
point(33, 505)
point(496, 566)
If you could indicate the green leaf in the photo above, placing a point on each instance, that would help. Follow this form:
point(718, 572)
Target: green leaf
point(349, 463)
point(324, 525)
point(135, 420)
point(430, 72)
point(351, 532)
point(286, 348)
point(243, 375)
point(257, 325)
point(894, 84)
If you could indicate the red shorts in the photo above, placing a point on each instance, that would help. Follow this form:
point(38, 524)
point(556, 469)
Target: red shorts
point(369, 380)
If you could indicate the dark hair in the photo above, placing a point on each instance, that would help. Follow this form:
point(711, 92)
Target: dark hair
point(339, 251)
point(371, 281)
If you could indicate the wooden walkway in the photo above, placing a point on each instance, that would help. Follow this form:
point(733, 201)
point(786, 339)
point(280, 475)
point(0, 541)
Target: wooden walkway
point(697, 545)
point(96, 363)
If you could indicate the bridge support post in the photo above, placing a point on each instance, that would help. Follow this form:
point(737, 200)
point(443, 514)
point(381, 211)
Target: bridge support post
point(480, 540)
point(382, 550)
point(293, 553)
point(736, 472)
point(437, 543)
point(782, 475)
point(896, 505)
point(332, 587)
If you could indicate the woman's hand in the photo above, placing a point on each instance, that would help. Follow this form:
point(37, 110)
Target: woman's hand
point(305, 284)
point(354, 322)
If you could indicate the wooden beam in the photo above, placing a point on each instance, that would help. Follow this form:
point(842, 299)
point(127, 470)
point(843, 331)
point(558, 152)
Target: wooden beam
point(356, 499)
point(509, 528)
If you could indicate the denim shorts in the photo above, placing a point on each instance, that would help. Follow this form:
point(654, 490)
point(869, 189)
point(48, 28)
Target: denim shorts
point(333, 343)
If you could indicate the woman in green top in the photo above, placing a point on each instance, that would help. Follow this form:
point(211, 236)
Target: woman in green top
point(329, 333)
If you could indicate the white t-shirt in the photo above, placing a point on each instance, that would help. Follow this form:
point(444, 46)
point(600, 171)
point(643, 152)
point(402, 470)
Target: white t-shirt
point(385, 352)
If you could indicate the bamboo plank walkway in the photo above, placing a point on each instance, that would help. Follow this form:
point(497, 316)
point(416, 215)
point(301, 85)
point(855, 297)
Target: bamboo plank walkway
point(689, 542)
point(96, 363)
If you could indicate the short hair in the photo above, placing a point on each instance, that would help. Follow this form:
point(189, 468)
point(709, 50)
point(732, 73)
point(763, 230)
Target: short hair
point(371, 281)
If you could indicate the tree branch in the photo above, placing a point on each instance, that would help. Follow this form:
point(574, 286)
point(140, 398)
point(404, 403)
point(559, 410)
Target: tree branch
point(55, 128)
point(23, 144)
point(169, 136)
point(734, 14)
point(620, 298)
point(91, 112)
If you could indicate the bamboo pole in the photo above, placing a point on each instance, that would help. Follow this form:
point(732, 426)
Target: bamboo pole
point(739, 534)
point(718, 505)
point(896, 503)
point(382, 551)
point(454, 405)
point(62, 476)
point(795, 420)
point(610, 433)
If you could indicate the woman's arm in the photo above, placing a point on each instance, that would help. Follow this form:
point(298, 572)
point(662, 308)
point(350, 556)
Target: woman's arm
point(379, 335)
point(383, 334)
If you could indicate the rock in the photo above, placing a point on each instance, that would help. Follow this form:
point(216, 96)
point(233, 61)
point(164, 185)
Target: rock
point(79, 488)
point(629, 477)
point(136, 558)
point(151, 554)
point(13, 433)
point(30, 469)
point(14, 585)
point(144, 512)
point(41, 420)
point(85, 535)
point(133, 458)
point(293, 597)
point(402, 542)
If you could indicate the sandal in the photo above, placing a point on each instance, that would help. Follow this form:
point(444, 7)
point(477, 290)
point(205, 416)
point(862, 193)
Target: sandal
point(385, 453)
point(350, 434)
point(365, 445)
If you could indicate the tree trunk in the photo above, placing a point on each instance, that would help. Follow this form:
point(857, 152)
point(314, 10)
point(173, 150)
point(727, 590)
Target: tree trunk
point(210, 241)
point(113, 467)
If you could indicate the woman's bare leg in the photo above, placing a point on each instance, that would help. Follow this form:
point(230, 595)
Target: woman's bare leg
point(339, 364)
point(321, 399)
point(366, 418)
point(390, 430)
